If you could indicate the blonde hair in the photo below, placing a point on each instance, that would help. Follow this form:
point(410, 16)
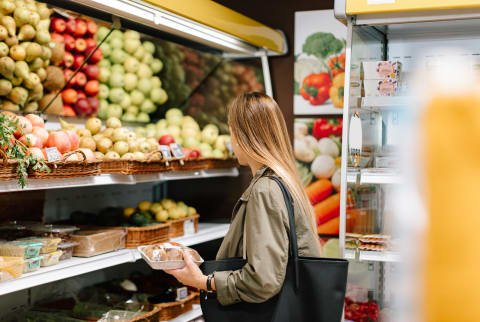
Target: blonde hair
point(260, 130)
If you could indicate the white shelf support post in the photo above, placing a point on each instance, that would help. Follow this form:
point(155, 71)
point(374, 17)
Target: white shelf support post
point(266, 74)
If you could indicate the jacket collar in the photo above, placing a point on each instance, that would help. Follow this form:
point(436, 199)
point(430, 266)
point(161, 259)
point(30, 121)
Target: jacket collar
point(260, 172)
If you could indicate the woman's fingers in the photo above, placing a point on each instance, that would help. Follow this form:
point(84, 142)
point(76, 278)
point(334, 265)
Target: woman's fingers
point(188, 259)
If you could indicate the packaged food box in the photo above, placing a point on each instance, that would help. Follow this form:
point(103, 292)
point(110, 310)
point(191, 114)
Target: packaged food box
point(386, 161)
point(384, 87)
point(10, 268)
point(67, 250)
point(51, 258)
point(54, 231)
point(49, 244)
point(32, 264)
point(167, 255)
point(24, 249)
point(381, 70)
point(95, 242)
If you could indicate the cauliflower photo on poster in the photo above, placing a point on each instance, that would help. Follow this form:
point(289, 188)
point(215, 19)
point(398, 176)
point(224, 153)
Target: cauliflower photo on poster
point(319, 72)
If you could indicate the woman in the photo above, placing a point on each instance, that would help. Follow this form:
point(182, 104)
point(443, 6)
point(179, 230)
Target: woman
point(260, 140)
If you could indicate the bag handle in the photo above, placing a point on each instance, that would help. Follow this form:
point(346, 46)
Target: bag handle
point(292, 235)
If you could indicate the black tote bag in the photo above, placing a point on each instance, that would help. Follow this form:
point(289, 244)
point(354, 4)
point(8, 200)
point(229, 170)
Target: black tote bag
point(313, 289)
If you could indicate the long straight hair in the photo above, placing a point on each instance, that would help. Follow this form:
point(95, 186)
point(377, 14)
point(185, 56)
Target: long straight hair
point(259, 127)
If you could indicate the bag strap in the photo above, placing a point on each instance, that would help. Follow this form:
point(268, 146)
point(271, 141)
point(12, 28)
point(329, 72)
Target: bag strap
point(292, 234)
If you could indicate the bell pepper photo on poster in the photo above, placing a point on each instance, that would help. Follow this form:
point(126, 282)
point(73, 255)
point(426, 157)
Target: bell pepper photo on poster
point(319, 70)
point(317, 149)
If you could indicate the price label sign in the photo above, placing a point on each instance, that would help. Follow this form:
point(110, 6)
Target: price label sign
point(165, 150)
point(188, 227)
point(182, 293)
point(177, 151)
point(53, 154)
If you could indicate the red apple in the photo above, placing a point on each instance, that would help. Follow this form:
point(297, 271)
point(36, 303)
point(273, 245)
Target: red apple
point(80, 80)
point(92, 71)
point(81, 94)
point(24, 126)
point(74, 139)
point(67, 73)
point(31, 141)
point(193, 153)
point(80, 28)
point(58, 25)
point(70, 26)
point(68, 111)
point(41, 133)
point(166, 140)
point(36, 152)
point(68, 59)
point(60, 140)
point(57, 37)
point(91, 28)
point(69, 42)
point(35, 120)
point(78, 61)
point(82, 107)
point(91, 43)
point(69, 96)
point(94, 104)
point(96, 57)
point(80, 45)
point(92, 87)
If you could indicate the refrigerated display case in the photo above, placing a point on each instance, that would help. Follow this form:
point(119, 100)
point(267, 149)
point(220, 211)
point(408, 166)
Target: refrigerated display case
point(398, 41)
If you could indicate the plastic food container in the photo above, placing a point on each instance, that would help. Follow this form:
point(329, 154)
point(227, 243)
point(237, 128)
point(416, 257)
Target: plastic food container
point(24, 249)
point(67, 250)
point(32, 264)
point(167, 255)
point(381, 69)
point(49, 244)
point(95, 242)
point(51, 258)
point(12, 230)
point(54, 231)
point(10, 268)
point(385, 87)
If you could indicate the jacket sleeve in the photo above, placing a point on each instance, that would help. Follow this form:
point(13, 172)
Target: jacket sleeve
point(267, 250)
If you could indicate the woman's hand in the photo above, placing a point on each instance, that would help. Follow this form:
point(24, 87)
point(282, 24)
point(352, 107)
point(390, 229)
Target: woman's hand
point(190, 275)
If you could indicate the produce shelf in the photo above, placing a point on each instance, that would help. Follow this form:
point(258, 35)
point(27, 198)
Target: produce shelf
point(352, 175)
point(78, 266)
point(384, 102)
point(109, 179)
point(194, 313)
point(349, 254)
point(371, 256)
point(380, 176)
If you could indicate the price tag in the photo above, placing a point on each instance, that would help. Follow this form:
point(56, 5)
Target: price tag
point(182, 293)
point(177, 151)
point(165, 150)
point(229, 147)
point(355, 139)
point(188, 227)
point(52, 154)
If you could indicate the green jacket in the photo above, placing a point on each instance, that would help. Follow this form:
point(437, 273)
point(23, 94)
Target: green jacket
point(266, 228)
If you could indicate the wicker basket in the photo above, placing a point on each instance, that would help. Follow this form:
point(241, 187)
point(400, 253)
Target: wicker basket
point(149, 235)
point(68, 169)
point(176, 226)
point(150, 165)
point(190, 165)
point(225, 163)
point(172, 310)
point(114, 166)
point(196, 299)
point(8, 170)
point(152, 316)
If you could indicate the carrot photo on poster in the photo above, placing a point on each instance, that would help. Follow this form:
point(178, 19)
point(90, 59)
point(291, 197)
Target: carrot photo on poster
point(317, 147)
point(319, 70)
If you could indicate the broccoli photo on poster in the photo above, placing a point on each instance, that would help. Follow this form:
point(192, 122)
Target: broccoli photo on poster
point(319, 70)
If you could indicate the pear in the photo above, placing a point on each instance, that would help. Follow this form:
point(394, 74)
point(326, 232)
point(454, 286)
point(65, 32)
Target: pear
point(36, 64)
point(9, 106)
point(3, 33)
point(33, 51)
point(42, 37)
point(11, 41)
point(21, 16)
point(31, 81)
point(42, 74)
point(36, 93)
point(3, 49)
point(31, 107)
point(5, 87)
point(7, 66)
point(18, 95)
point(17, 52)
point(27, 32)
point(21, 69)
point(7, 7)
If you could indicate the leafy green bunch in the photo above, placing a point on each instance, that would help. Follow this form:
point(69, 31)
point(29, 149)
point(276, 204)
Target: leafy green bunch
point(15, 150)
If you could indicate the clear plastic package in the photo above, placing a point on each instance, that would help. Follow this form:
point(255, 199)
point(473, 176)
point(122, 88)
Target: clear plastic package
point(54, 231)
point(24, 249)
point(380, 87)
point(51, 258)
point(32, 264)
point(381, 69)
point(67, 250)
point(49, 244)
point(120, 316)
point(95, 242)
point(10, 268)
point(167, 255)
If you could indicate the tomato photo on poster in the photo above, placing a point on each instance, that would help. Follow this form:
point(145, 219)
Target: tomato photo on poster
point(317, 149)
point(319, 70)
